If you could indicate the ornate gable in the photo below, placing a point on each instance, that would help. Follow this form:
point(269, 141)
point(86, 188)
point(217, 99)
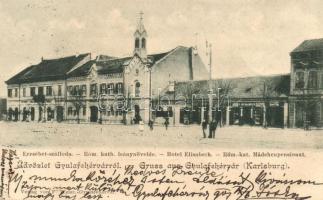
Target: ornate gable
point(93, 74)
point(135, 65)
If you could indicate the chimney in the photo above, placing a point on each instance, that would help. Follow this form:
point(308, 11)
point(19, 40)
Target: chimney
point(190, 61)
point(42, 58)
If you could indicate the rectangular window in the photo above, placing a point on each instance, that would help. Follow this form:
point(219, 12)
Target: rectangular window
point(84, 110)
point(40, 90)
point(110, 88)
point(77, 90)
point(16, 92)
point(32, 91)
point(103, 88)
point(312, 80)
point(69, 111)
point(59, 90)
point(70, 90)
point(83, 90)
point(119, 88)
point(9, 92)
point(49, 91)
point(299, 80)
point(24, 92)
point(93, 89)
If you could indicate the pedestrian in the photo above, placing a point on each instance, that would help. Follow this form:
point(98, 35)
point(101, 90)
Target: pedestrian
point(214, 126)
point(210, 129)
point(141, 126)
point(204, 127)
point(166, 122)
point(151, 124)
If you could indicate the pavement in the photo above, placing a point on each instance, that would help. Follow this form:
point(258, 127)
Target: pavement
point(53, 134)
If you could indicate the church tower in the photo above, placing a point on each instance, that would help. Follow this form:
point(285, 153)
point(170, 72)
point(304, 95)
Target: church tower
point(140, 36)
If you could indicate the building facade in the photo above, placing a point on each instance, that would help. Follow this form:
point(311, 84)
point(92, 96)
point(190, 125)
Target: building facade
point(103, 89)
point(251, 101)
point(306, 96)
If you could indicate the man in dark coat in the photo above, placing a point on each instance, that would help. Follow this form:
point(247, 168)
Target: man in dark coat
point(214, 126)
point(204, 127)
point(210, 129)
point(151, 124)
point(166, 122)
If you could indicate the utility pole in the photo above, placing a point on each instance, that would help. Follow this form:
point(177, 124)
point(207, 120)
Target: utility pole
point(209, 52)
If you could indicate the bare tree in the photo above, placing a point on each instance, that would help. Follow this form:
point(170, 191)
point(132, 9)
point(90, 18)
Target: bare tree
point(77, 99)
point(40, 100)
point(226, 88)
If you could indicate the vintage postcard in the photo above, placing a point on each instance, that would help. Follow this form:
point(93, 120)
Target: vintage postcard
point(161, 100)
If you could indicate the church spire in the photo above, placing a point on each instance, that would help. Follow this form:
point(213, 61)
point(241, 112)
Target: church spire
point(140, 38)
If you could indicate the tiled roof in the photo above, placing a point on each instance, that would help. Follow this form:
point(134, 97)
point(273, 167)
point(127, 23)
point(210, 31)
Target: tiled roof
point(156, 57)
point(104, 57)
point(248, 87)
point(82, 70)
point(112, 66)
point(109, 65)
point(308, 45)
point(56, 69)
point(47, 70)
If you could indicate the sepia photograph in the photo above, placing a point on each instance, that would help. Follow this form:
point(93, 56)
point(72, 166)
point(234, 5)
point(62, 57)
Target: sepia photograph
point(161, 100)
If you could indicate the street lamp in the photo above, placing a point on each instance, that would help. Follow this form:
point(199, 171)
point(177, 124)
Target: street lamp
point(219, 114)
point(219, 98)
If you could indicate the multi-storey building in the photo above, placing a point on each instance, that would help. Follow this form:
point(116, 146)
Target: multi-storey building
point(306, 93)
point(103, 89)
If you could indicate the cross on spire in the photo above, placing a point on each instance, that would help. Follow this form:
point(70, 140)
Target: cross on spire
point(140, 26)
point(141, 15)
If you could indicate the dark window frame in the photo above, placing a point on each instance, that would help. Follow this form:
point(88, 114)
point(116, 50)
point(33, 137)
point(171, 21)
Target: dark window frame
point(49, 90)
point(299, 84)
point(32, 91)
point(9, 92)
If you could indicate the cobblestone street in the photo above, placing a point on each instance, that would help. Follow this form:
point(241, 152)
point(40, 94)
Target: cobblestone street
point(94, 135)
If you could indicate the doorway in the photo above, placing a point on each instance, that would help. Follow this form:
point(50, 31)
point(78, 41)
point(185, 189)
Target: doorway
point(94, 114)
point(60, 113)
point(32, 113)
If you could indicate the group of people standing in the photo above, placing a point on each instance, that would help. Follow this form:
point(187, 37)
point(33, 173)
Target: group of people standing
point(212, 128)
point(151, 123)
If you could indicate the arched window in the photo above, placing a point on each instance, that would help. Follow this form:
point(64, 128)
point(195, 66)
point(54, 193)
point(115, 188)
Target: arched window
point(137, 43)
point(137, 89)
point(143, 43)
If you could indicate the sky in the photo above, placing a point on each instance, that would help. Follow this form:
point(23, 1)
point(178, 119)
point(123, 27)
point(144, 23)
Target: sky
point(249, 37)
